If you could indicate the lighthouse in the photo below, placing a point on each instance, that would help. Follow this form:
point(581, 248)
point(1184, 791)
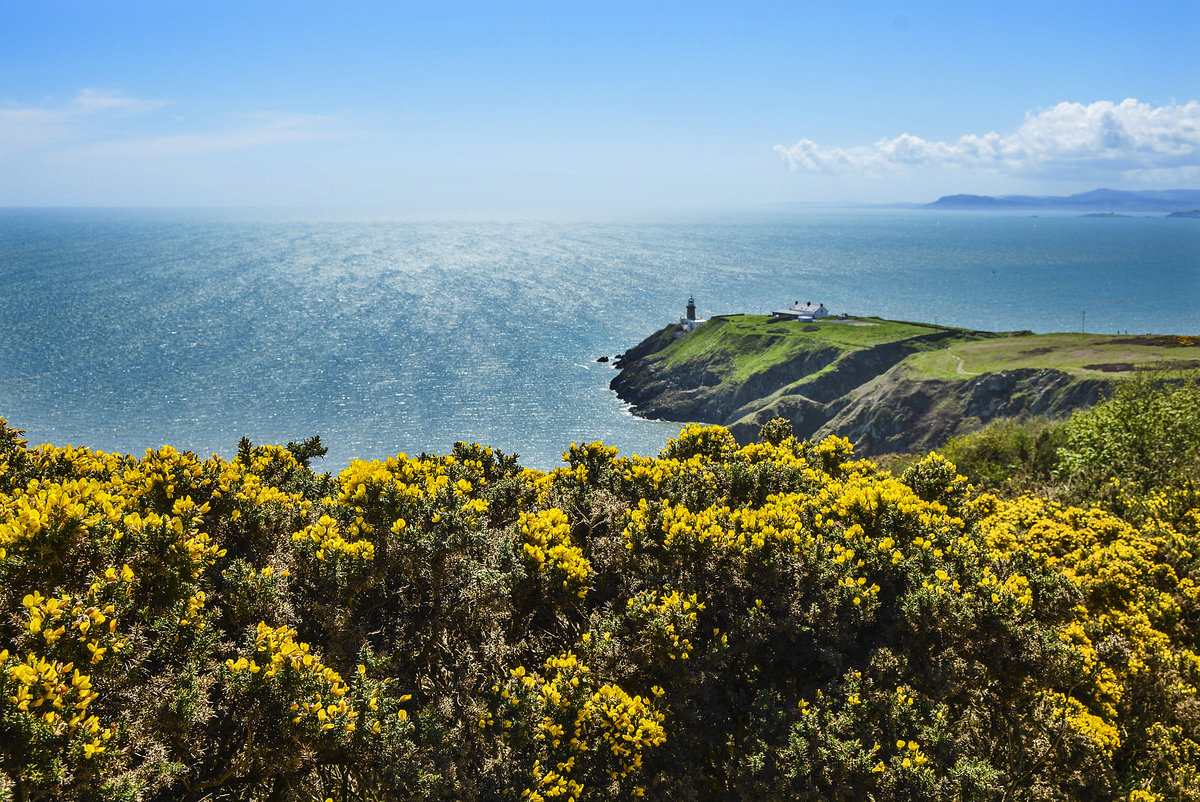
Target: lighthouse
point(690, 322)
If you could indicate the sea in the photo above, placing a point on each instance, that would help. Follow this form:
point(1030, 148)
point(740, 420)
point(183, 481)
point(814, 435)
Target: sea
point(127, 329)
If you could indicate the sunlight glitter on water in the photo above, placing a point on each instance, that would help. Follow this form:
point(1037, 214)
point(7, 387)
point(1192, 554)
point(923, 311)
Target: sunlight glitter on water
point(129, 330)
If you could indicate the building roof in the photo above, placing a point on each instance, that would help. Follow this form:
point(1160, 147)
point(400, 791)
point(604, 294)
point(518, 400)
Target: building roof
point(805, 310)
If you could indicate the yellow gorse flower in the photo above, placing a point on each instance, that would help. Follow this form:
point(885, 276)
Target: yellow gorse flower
point(547, 545)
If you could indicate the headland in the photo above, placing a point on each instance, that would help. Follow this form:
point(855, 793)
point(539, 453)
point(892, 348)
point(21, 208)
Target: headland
point(889, 386)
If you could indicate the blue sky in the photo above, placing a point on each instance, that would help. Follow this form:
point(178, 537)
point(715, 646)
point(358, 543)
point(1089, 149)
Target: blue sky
point(579, 106)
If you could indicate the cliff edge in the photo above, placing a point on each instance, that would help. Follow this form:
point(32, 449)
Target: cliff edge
point(888, 386)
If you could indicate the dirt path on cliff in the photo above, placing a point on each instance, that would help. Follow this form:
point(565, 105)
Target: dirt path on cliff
point(958, 368)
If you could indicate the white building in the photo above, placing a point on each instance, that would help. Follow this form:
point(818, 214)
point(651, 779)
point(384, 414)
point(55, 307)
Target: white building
point(807, 312)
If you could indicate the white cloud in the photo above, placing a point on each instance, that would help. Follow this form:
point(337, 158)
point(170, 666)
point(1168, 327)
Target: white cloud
point(28, 126)
point(89, 101)
point(1132, 139)
point(264, 131)
point(107, 125)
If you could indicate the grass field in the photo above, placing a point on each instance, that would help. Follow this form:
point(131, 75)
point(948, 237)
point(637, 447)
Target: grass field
point(739, 346)
point(753, 343)
point(1082, 354)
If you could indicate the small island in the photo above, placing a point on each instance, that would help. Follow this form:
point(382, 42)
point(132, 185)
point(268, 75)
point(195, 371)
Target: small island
point(888, 386)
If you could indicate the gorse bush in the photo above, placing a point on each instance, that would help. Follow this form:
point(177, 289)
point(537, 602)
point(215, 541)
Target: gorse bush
point(1146, 436)
point(1010, 454)
point(779, 620)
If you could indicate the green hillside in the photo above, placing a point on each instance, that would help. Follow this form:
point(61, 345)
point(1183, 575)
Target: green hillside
point(1079, 354)
point(743, 345)
point(747, 344)
point(887, 385)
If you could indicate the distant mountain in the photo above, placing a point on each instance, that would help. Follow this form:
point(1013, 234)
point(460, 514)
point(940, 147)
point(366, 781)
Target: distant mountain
point(1098, 200)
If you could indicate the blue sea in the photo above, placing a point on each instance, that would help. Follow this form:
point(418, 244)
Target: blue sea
point(127, 329)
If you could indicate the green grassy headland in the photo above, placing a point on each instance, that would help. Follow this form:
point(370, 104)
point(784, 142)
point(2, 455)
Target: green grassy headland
point(749, 344)
point(887, 385)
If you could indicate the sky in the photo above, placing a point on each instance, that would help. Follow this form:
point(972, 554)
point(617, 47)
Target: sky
point(480, 107)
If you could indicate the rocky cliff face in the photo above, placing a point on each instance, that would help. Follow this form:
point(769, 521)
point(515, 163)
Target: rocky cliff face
point(869, 396)
point(699, 389)
point(901, 413)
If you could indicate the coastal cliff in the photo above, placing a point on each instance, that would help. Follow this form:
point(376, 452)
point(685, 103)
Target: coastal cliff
point(885, 385)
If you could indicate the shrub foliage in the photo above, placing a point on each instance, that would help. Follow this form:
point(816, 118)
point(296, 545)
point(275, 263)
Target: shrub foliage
point(779, 620)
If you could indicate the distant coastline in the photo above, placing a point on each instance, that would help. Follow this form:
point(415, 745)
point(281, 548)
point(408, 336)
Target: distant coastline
point(1177, 202)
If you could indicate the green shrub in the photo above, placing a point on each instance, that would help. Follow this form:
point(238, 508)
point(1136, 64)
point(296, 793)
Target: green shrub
point(1147, 435)
point(1010, 455)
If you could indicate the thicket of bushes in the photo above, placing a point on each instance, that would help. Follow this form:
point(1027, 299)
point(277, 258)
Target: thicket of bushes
point(774, 621)
point(1146, 436)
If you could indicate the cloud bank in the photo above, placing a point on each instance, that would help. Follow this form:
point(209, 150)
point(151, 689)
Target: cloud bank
point(1069, 141)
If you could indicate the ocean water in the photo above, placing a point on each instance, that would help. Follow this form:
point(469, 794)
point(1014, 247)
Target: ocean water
point(127, 329)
